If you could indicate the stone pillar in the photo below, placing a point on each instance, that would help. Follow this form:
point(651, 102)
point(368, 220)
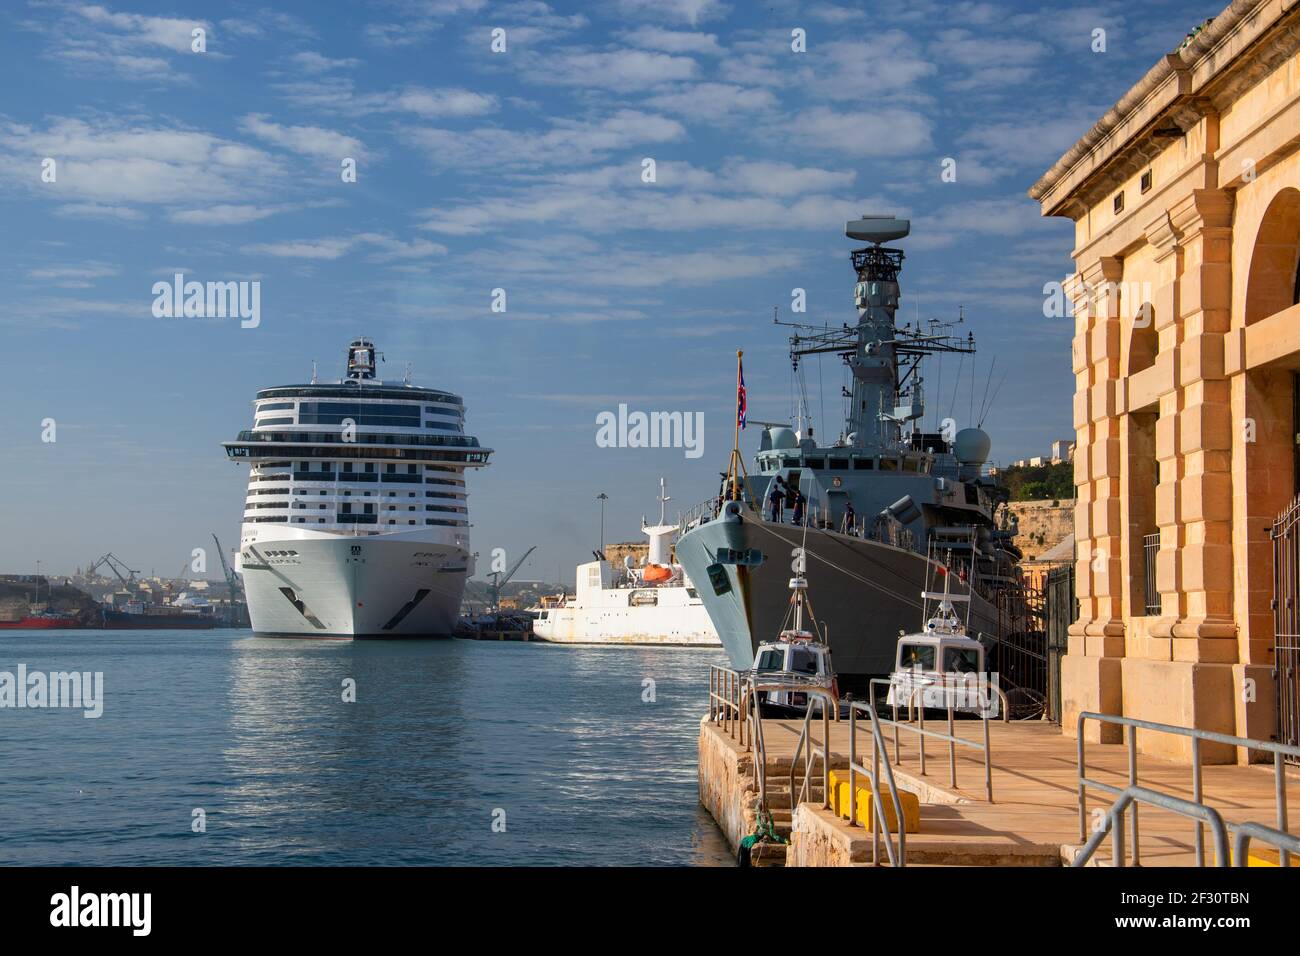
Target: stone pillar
point(1090, 671)
point(1194, 687)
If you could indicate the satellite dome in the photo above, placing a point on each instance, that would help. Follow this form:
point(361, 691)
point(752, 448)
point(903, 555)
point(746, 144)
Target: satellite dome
point(783, 437)
point(972, 446)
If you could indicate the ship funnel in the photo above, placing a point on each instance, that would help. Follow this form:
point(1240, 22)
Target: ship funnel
point(877, 229)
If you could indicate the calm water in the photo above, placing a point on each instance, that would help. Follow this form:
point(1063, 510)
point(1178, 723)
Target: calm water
point(443, 734)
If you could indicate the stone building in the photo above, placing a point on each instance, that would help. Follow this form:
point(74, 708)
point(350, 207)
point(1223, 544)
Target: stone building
point(1186, 306)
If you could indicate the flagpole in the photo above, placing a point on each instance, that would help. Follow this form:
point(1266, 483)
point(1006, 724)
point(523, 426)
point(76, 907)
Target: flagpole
point(735, 448)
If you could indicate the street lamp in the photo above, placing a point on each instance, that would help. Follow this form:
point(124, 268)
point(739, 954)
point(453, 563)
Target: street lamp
point(602, 498)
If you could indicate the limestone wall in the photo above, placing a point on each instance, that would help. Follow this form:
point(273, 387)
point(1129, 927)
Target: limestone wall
point(727, 787)
point(1043, 524)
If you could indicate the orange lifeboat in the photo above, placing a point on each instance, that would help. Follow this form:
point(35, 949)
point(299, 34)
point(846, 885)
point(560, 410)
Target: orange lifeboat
point(656, 573)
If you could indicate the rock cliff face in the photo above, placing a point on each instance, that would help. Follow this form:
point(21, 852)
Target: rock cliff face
point(1043, 524)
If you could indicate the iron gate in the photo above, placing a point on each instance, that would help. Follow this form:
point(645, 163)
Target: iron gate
point(1062, 609)
point(1286, 623)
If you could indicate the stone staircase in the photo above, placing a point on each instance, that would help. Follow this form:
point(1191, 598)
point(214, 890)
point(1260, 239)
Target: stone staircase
point(778, 802)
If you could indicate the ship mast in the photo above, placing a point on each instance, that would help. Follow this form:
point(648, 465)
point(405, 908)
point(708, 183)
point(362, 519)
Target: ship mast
point(884, 360)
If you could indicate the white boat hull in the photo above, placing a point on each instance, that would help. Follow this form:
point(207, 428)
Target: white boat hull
point(302, 583)
point(668, 616)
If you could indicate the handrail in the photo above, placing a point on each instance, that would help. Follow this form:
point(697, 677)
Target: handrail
point(725, 700)
point(1133, 724)
point(752, 708)
point(951, 736)
point(827, 701)
point(896, 857)
point(1134, 795)
point(1286, 843)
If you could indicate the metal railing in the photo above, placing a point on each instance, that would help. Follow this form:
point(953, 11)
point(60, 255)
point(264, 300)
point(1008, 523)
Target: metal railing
point(1150, 548)
point(1279, 837)
point(1133, 795)
point(954, 740)
point(726, 699)
point(897, 854)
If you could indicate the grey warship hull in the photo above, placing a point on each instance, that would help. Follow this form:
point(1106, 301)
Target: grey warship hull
point(864, 593)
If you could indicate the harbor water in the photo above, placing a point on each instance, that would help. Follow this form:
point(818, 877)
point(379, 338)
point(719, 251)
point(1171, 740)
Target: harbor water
point(453, 753)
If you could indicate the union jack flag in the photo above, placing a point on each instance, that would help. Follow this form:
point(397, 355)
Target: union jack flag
point(741, 406)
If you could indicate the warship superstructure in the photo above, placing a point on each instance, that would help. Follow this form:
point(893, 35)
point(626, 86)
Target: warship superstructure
point(883, 505)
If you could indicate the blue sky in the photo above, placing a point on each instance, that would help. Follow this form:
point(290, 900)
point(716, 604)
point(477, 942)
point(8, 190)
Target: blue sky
point(519, 170)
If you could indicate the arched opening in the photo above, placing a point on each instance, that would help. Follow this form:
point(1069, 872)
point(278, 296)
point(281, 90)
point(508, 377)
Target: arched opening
point(1143, 342)
point(1274, 278)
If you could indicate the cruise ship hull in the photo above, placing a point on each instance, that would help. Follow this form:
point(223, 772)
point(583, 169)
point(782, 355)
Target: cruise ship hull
point(864, 593)
point(301, 583)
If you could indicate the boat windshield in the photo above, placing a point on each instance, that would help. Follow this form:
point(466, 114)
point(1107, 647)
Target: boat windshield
point(803, 661)
point(772, 659)
point(916, 656)
point(963, 660)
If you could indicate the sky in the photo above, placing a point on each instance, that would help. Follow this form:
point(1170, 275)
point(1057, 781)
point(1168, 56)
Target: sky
point(504, 146)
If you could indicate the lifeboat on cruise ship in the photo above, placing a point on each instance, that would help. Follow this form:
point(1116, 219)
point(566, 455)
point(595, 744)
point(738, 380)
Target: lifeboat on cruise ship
point(656, 573)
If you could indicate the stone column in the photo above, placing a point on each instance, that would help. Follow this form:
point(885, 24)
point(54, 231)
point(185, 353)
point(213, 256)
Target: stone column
point(1090, 671)
point(1194, 688)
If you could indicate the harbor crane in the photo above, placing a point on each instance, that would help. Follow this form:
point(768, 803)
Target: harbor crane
point(500, 579)
point(117, 566)
point(237, 601)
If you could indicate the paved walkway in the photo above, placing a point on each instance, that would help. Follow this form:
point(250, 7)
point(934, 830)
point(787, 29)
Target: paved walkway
point(1035, 810)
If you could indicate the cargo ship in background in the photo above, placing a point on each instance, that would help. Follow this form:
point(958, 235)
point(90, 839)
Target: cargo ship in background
point(654, 603)
point(886, 504)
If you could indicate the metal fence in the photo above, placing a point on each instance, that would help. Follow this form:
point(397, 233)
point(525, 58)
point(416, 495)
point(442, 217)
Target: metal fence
point(1286, 624)
point(1061, 609)
point(1021, 662)
point(1150, 547)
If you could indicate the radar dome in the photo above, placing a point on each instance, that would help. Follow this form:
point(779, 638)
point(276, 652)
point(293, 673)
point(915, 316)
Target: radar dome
point(783, 437)
point(972, 446)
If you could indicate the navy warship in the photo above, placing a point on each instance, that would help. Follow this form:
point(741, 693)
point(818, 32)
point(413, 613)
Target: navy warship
point(885, 507)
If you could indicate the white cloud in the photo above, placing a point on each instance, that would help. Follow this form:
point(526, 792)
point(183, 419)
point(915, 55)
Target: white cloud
point(885, 132)
point(681, 11)
point(334, 247)
point(674, 41)
point(114, 163)
point(315, 63)
point(718, 102)
point(567, 142)
point(622, 70)
point(310, 141)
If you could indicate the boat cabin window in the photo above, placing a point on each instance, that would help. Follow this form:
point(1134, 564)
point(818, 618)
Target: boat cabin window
point(919, 656)
point(772, 659)
point(963, 660)
point(815, 463)
point(803, 661)
point(889, 464)
point(839, 464)
point(789, 462)
point(864, 464)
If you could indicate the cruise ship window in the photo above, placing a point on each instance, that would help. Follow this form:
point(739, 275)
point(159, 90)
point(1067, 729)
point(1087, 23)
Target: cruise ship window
point(410, 522)
point(370, 509)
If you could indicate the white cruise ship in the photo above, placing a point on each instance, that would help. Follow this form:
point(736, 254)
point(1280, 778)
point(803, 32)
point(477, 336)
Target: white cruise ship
point(356, 521)
point(655, 603)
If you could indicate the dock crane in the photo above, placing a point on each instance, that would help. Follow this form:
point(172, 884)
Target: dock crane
point(117, 566)
point(499, 580)
point(238, 613)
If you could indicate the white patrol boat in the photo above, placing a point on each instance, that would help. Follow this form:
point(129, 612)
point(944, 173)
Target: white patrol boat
point(798, 656)
point(942, 667)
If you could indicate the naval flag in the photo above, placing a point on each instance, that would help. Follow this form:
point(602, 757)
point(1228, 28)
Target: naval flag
point(741, 406)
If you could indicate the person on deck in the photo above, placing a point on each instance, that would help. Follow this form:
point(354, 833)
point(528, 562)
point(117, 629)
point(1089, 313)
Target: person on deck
point(776, 501)
point(798, 504)
point(850, 518)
